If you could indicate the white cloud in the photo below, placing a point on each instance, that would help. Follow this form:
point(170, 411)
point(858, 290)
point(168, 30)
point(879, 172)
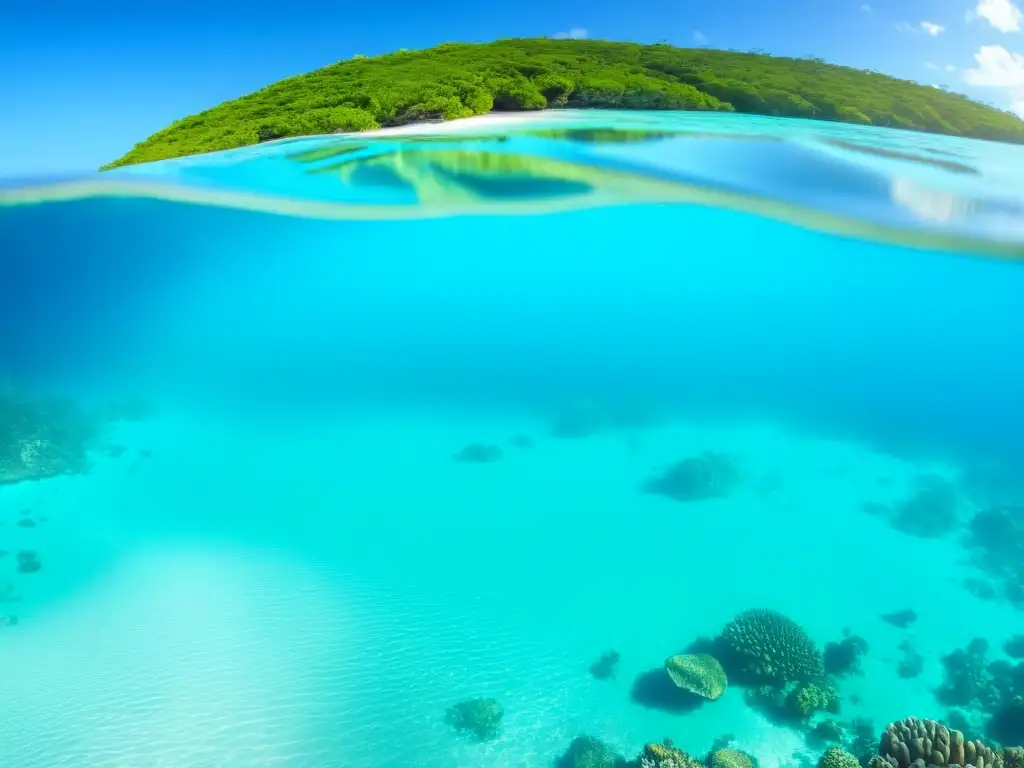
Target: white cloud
point(931, 65)
point(1001, 14)
point(576, 33)
point(866, 8)
point(699, 37)
point(927, 27)
point(949, 68)
point(997, 68)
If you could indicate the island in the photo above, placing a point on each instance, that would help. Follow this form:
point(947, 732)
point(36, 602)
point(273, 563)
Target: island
point(456, 80)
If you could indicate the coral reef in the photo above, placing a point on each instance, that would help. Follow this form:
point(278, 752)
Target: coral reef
point(968, 682)
point(980, 588)
point(664, 755)
point(706, 476)
point(911, 662)
point(900, 619)
point(999, 533)
point(28, 562)
point(843, 658)
point(729, 758)
point(42, 437)
point(479, 453)
point(1007, 722)
point(769, 701)
point(862, 739)
point(588, 752)
point(765, 647)
point(927, 742)
point(606, 666)
point(808, 698)
point(577, 421)
point(586, 418)
point(794, 704)
point(698, 673)
point(1014, 647)
point(521, 441)
point(930, 511)
point(826, 732)
point(480, 717)
point(837, 757)
point(1013, 757)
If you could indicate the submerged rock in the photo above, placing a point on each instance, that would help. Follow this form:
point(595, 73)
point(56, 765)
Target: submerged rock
point(479, 717)
point(479, 453)
point(708, 475)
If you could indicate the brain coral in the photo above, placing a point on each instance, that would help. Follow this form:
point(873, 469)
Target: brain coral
point(837, 757)
point(761, 646)
point(698, 673)
point(927, 742)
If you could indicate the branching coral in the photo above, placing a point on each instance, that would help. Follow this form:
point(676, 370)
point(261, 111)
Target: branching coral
point(664, 755)
point(837, 757)
point(808, 698)
point(765, 647)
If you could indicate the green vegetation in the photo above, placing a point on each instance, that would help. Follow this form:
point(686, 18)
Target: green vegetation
point(457, 80)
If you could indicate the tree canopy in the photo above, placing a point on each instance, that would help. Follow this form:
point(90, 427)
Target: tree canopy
point(456, 80)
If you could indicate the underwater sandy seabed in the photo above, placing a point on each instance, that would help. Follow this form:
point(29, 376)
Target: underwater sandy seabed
point(320, 595)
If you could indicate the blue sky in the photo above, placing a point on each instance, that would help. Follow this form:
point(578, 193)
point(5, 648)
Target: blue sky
point(82, 82)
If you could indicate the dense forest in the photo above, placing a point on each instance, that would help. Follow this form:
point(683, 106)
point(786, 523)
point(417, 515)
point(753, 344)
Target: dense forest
point(457, 80)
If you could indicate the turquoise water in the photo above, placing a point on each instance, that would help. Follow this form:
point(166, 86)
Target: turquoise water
point(275, 556)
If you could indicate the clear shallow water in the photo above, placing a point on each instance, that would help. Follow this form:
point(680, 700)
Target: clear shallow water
point(282, 563)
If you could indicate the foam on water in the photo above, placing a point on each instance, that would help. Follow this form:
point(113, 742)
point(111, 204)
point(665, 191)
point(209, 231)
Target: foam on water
point(283, 564)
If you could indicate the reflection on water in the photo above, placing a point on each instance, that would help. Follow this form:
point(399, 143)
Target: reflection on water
point(713, 441)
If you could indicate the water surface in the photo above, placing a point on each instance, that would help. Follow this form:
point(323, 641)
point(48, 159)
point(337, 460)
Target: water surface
point(277, 557)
